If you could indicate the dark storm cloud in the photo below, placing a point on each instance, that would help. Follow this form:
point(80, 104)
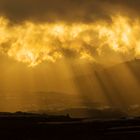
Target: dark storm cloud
point(67, 10)
point(133, 4)
point(128, 7)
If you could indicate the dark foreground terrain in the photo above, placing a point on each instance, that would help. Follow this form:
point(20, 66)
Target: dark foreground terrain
point(22, 126)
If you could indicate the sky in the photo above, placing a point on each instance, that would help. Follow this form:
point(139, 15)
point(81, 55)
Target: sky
point(48, 45)
point(37, 31)
point(67, 10)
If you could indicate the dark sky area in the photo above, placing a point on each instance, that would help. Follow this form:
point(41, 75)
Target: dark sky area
point(67, 10)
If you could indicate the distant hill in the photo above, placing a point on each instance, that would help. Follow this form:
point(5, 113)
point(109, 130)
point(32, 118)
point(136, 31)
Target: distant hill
point(55, 101)
point(91, 113)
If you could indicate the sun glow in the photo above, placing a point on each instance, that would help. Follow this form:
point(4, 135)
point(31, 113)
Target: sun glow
point(33, 43)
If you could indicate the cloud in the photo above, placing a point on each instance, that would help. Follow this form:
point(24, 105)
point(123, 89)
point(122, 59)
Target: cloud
point(63, 10)
point(47, 30)
point(33, 43)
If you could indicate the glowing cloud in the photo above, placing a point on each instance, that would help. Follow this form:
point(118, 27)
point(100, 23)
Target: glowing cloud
point(33, 43)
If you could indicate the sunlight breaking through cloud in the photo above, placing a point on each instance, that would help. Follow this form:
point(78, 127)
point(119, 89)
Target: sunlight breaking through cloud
point(33, 43)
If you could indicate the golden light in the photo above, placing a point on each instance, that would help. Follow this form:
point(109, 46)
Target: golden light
point(33, 43)
point(57, 30)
